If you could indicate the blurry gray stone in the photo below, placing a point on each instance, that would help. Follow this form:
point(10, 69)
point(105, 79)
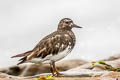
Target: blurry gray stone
point(100, 67)
point(111, 58)
point(32, 69)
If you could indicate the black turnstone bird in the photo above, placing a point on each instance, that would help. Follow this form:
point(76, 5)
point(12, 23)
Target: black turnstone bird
point(53, 47)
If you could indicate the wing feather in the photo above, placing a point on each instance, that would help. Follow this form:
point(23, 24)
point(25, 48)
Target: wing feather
point(51, 44)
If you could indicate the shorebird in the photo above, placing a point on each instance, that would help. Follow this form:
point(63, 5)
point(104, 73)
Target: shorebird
point(53, 47)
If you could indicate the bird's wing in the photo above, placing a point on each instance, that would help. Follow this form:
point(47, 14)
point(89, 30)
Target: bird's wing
point(51, 44)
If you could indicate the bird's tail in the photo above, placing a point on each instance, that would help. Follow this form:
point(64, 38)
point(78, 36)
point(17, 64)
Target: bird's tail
point(24, 56)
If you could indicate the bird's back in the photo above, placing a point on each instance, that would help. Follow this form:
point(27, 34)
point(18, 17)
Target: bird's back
point(53, 47)
point(56, 45)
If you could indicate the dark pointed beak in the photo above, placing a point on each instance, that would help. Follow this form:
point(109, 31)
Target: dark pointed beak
point(76, 26)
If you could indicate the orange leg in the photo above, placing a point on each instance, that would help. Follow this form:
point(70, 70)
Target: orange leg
point(55, 69)
point(52, 70)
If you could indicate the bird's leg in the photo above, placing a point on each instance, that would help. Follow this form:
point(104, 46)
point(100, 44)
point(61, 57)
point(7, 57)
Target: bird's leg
point(52, 70)
point(55, 69)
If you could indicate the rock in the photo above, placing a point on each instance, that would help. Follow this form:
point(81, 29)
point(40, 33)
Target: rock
point(100, 67)
point(32, 69)
point(112, 75)
point(69, 64)
point(91, 76)
point(76, 73)
point(3, 75)
point(13, 70)
point(111, 58)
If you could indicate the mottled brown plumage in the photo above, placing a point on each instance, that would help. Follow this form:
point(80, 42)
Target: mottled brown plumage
point(60, 42)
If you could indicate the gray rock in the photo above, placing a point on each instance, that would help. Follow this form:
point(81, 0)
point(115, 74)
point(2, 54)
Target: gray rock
point(111, 58)
point(32, 69)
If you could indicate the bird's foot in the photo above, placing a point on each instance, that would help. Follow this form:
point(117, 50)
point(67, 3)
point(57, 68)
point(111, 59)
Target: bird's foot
point(57, 74)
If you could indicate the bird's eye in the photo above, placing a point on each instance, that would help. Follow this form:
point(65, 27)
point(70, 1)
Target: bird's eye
point(67, 22)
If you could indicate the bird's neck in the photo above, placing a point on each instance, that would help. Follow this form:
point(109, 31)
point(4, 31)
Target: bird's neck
point(73, 38)
point(70, 33)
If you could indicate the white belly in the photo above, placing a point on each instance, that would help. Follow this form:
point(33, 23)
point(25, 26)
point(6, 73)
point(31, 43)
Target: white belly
point(61, 55)
point(51, 57)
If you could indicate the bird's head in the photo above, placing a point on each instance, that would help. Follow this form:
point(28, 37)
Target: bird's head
point(67, 24)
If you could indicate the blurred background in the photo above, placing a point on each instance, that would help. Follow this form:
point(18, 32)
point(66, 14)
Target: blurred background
point(23, 23)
